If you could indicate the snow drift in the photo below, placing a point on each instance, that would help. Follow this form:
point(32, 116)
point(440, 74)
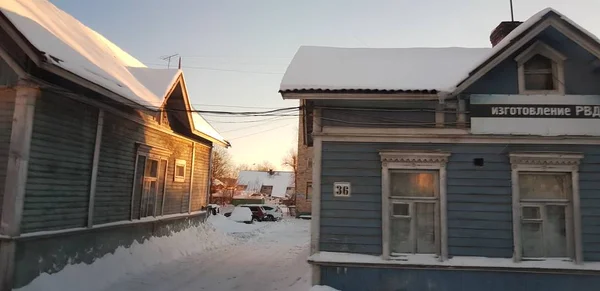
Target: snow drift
point(135, 259)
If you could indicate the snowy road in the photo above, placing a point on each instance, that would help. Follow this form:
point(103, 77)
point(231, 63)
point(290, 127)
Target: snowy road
point(271, 256)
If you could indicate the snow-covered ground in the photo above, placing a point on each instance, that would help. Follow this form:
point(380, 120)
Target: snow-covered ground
point(221, 255)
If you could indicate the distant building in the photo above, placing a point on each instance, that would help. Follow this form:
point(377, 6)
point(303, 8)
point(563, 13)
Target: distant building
point(455, 168)
point(275, 183)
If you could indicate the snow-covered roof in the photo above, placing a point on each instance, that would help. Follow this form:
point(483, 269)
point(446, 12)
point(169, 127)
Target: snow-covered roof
point(202, 126)
point(254, 180)
point(158, 81)
point(74, 47)
point(423, 70)
point(387, 69)
point(519, 30)
point(80, 50)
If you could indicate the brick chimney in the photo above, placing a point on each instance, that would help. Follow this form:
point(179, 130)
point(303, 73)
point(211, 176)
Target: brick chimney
point(502, 30)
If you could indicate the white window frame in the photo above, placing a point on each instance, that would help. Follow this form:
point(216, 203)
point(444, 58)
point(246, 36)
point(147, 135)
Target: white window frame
point(179, 163)
point(547, 162)
point(413, 161)
point(150, 153)
point(558, 73)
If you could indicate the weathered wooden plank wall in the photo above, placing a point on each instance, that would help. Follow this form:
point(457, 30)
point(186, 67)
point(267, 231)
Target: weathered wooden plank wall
point(60, 165)
point(201, 166)
point(7, 105)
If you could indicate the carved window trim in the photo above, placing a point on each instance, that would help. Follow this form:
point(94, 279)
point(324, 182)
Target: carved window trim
point(558, 162)
point(413, 160)
point(557, 59)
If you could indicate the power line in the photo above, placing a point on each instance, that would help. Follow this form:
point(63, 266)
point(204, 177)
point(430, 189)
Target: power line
point(259, 132)
point(234, 106)
point(253, 121)
point(250, 126)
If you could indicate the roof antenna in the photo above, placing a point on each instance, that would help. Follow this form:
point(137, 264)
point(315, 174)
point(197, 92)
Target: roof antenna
point(512, 15)
point(179, 63)
point(168, 59)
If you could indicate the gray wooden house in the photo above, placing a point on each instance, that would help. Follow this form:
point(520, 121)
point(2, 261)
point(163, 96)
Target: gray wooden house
point(96, 150)
point(456, 168)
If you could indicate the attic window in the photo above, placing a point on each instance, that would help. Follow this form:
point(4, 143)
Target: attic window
point(539, 74)
point(541, 70)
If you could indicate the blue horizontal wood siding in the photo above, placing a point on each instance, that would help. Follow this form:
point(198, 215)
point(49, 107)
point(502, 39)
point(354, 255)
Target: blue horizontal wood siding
point(7, 106)
point(479, 198)
point(60, 164)
point(353, 113)
point(404, 279)
point(579, 71)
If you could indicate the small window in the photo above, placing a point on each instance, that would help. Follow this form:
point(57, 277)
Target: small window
point(539, 75)
point(309, 190)
point(180, 170)
point(541, 70)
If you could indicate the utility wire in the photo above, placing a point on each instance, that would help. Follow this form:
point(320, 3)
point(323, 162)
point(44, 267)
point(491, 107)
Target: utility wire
point(250, 126)
point(259, 132)
point(253, 121)
point(232, 106)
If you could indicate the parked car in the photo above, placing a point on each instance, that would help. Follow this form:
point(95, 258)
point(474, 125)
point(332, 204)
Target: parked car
point(241, 214)
point(273, 212)
point(258, 213)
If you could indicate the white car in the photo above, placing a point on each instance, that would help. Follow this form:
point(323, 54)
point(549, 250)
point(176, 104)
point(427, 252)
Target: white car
point(273, 212)
point(241, 214)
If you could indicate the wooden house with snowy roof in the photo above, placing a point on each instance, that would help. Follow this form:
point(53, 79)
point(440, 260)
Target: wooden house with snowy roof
point(96, 150)
point(455, 168)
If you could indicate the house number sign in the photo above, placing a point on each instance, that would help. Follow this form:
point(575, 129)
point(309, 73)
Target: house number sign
point(342, 189)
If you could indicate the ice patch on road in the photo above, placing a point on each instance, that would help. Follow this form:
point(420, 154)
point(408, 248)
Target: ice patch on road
point(135, 259)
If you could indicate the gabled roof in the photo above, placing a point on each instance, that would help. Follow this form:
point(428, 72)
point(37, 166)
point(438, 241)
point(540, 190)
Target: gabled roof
point(508, 42)
point(401, 70)
point(414, 70)
point(63, 42)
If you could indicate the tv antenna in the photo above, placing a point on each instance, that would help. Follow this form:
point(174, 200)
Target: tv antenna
point(168, 59)
point(512, 15)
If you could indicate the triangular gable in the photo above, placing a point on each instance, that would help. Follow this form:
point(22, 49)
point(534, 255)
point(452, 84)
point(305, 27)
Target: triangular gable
point(177, 104)
point(523, 35)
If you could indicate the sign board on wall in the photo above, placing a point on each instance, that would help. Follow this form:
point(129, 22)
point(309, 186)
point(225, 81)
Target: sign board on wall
point(547, 115)
point(342, 189)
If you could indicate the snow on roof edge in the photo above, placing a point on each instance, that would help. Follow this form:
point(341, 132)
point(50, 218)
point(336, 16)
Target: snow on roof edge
point(405, 70)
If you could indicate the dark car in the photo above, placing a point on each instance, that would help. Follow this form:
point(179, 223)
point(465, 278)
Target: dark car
point(258, 213)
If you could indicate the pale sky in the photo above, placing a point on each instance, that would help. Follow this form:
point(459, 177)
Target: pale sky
point(235, 52)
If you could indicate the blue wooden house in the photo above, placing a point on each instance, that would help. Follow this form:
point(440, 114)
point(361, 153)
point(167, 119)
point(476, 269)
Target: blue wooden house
point(456, 168)
point(97, 151)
